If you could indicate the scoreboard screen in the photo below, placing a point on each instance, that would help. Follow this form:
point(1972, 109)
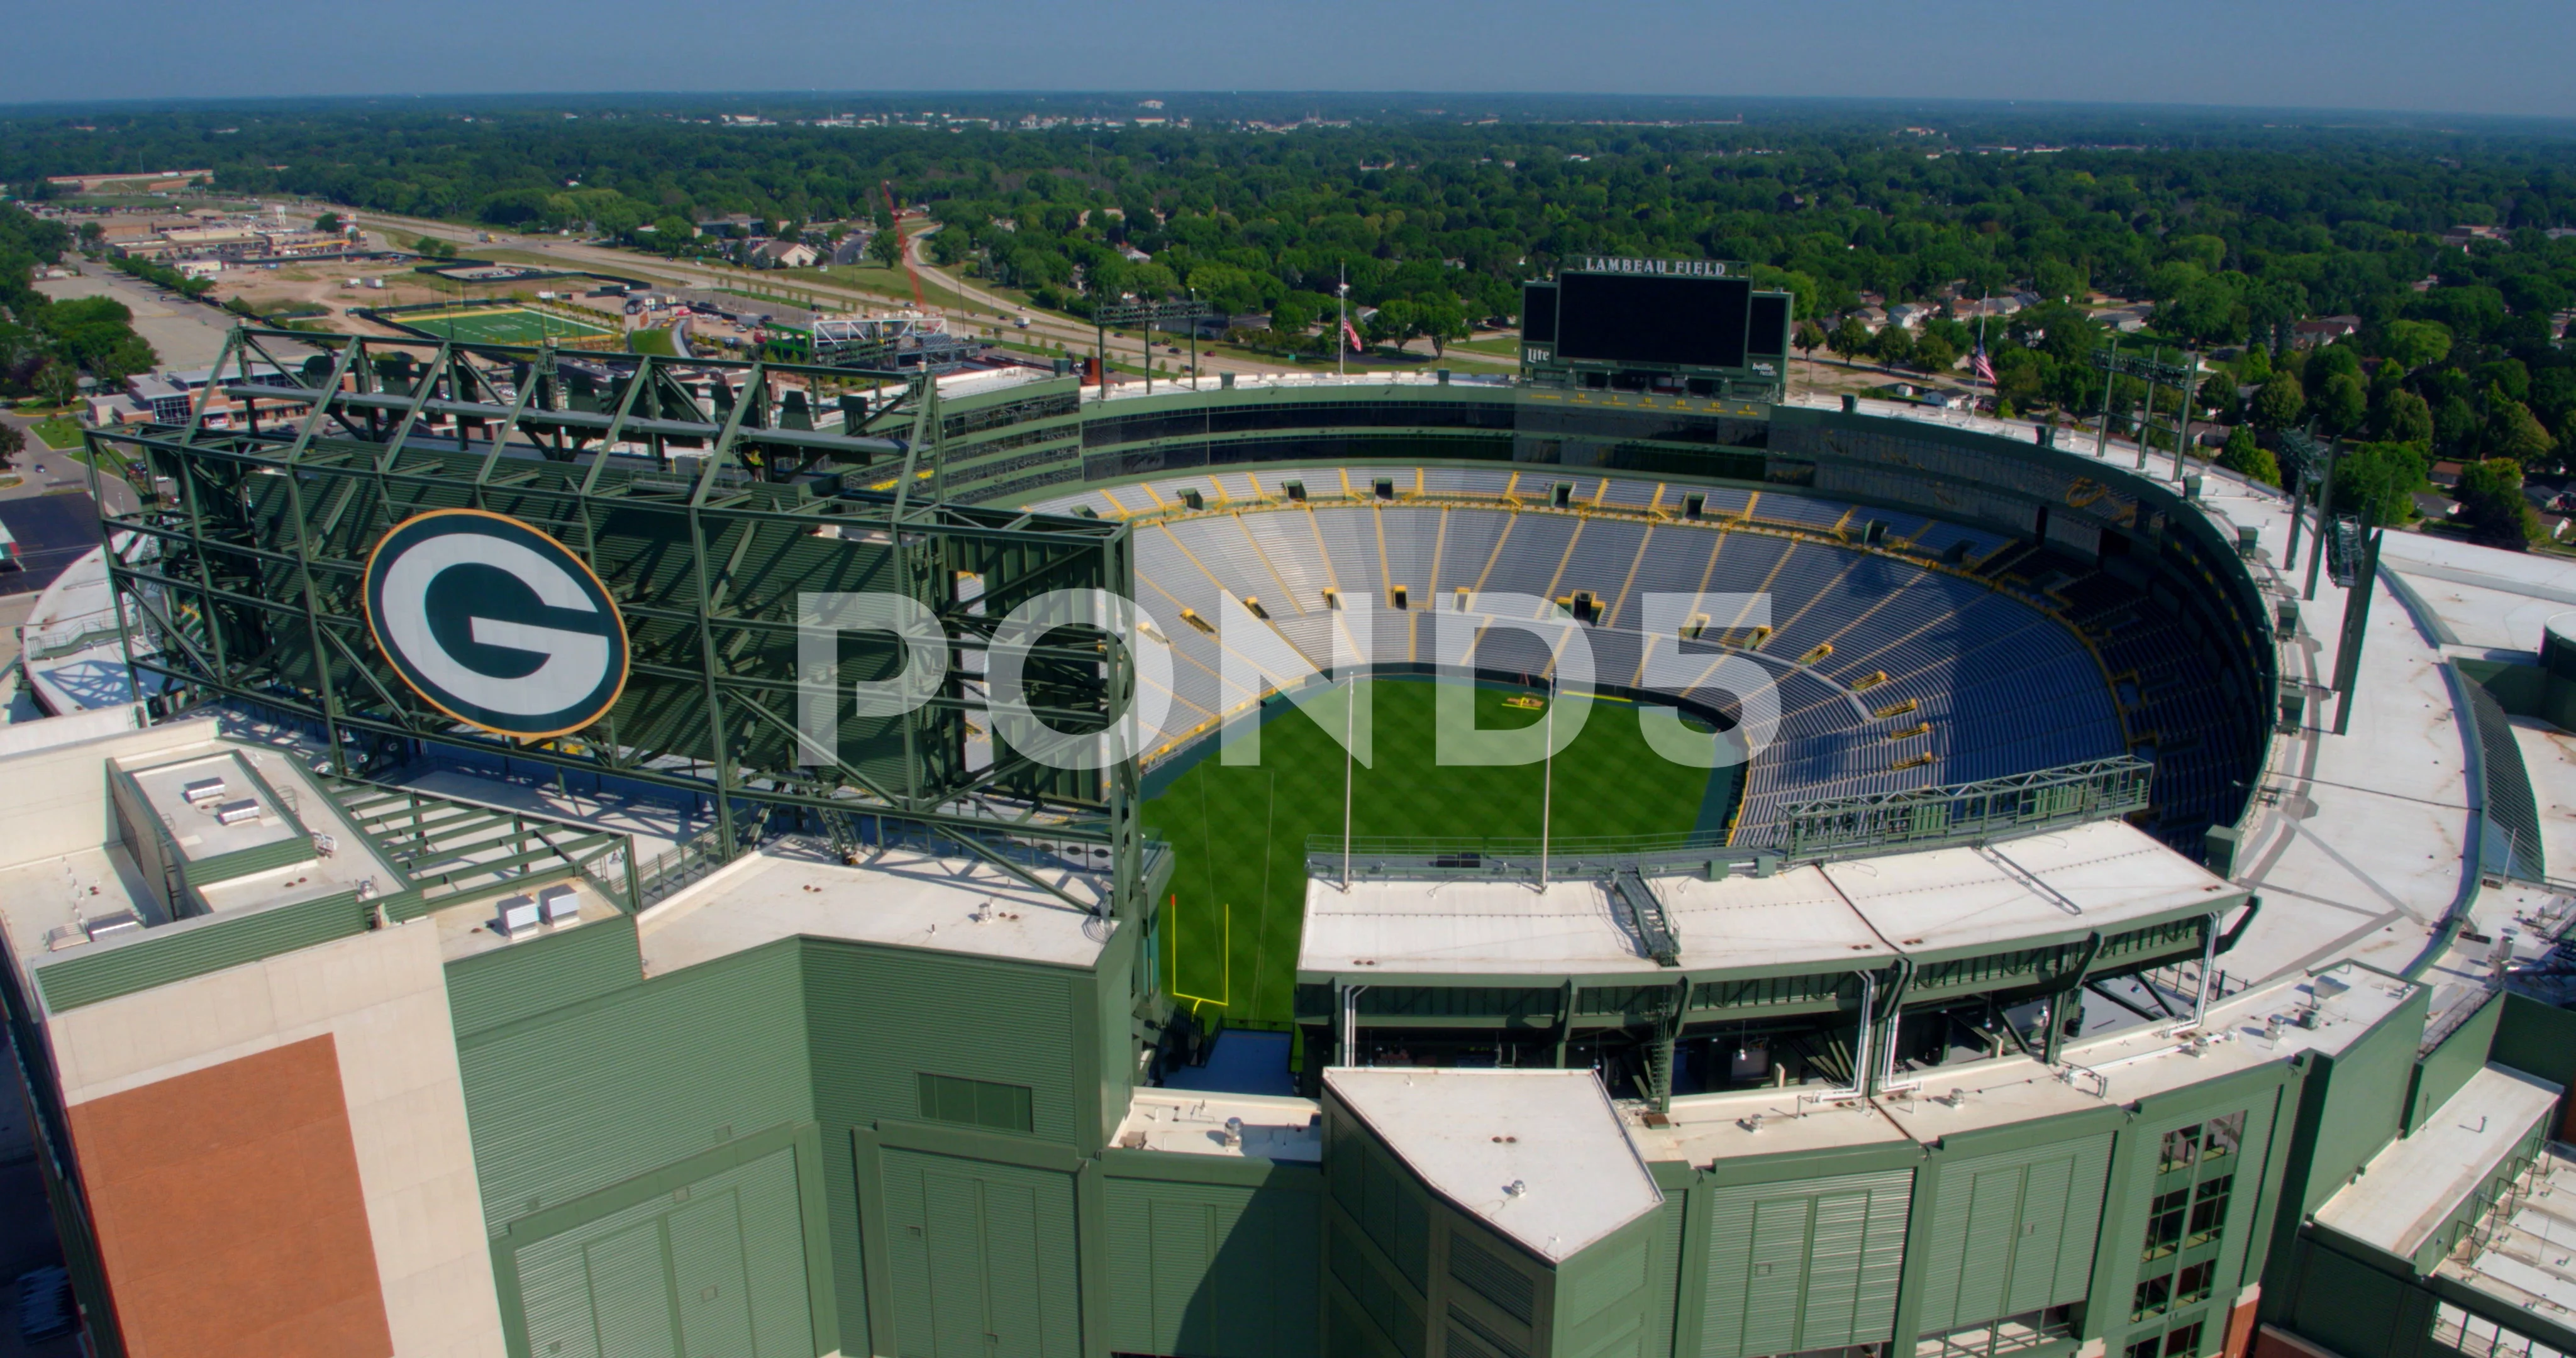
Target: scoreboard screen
point(1644, 318)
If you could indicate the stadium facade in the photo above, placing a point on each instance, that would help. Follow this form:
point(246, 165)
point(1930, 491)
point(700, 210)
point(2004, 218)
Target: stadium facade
point(355, 1023)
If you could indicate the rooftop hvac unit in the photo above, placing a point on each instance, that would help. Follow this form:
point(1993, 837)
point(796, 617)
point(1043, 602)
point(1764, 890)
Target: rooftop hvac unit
point(122, 922)
point(519, 915)
point(560, 902)
point(234, 813)
point(202, 790)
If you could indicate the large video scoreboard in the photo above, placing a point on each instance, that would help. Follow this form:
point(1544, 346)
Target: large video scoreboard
point(1687, 326)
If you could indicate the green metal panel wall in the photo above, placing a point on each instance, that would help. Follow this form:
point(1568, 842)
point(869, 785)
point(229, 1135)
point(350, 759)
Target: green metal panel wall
point(1804, 1263)
point(982, 1257)
point(1212, 1270)
point(1607, 1294)
point(881, 1018)
point(715, 1268)
point(2364, 1101)
point(175, 952)
point(2461, 1053)
point(878, 1018)
point(2536, 1038)
point(524, 979)
point(2013, 1231)
point(589, 1095)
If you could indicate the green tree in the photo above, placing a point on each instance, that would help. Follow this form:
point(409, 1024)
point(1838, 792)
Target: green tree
point(2404, 418)
point(1808, 338)
point(13, 441)
point(2416, 344)
point(2257, 367)
point(2513, 433)
point(1934, 355)
point(2384, 476)
point(886, 246)
point(1893, 345)
point(1849, 339)
point(2492, 504)
point(328, 223)
point(1440, 319)
point(2249, 459)
point(1294, 316)
point(2343, 404)
point(2280, 402)
point(59, 383)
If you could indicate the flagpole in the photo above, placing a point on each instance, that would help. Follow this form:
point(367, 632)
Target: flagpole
point(1547, 785)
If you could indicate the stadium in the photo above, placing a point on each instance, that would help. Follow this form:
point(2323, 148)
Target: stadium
point(2073, 932)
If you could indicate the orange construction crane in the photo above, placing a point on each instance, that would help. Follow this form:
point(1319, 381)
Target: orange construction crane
point(896, 214)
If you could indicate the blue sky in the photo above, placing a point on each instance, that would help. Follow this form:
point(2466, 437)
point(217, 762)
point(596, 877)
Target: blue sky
point(2468, 56)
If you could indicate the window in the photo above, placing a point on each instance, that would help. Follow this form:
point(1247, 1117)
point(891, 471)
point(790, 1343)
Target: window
point(1994, 1338)
point(2152, 1297)
point(2164, 1222)
point(2144, 1348)
point(2182, 1146)
point(2221, 1136)
point(2192, 1284)
point(2209, 1209)
point(2480, 1337)
point(976, 1103)
point(2183, 1341)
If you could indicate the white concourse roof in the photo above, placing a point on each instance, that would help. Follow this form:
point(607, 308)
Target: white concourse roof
point(1473, 928)
point(2105, 875)
point(1473, 1135)
point(1789, 918)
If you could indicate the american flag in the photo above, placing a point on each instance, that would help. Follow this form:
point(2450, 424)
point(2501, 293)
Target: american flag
point(1981, 367)
point(1353, 336)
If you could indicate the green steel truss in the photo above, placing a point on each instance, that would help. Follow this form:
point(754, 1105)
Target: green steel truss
point(704, 496)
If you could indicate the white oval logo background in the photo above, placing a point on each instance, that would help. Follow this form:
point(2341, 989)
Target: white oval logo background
point(582, 670)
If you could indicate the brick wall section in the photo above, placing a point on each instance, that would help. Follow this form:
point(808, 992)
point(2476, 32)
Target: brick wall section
point(229, 1211)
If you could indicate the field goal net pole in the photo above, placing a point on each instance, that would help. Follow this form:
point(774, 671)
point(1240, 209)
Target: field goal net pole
point(1350, 705)
point(1547, 785)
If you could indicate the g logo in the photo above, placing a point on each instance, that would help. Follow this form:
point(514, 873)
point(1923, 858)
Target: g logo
point(495, 623)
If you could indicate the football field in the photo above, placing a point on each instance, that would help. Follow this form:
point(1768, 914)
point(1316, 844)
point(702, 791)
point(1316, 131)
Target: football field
point(503, 325)
point(1234, 909)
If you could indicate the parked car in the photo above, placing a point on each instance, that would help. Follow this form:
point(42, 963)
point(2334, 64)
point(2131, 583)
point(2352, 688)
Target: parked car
point(45, 1308)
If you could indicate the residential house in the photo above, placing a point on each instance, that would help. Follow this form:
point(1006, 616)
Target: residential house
point(2318, 330)
point(783, 254)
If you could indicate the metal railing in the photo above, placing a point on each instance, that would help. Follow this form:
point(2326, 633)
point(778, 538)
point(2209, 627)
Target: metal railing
point(2095, 789)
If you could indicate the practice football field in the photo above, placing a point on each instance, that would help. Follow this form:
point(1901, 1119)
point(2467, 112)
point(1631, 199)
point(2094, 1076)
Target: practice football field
point(503, 325)
point(1235, 906)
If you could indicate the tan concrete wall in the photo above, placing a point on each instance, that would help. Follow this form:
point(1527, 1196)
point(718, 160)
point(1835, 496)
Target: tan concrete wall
point(59, 795)
point(382, 998)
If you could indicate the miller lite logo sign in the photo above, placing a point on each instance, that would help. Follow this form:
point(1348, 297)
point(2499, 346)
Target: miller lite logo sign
point(495, 623)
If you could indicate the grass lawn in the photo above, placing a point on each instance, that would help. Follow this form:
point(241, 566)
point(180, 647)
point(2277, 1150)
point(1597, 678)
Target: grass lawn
point(655, 341)
point(503, 325)
point(1238, 892)
point(58, 431)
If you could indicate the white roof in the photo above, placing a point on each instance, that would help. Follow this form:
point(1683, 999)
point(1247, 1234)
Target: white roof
point(2104, 875)
point(2099, 876)
point(2409, 1189)
point(1472, 1135)
point(1465, 928)
point(899, 899)
point(1789, 918)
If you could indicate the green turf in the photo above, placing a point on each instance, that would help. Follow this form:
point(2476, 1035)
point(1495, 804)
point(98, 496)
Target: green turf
point(1240, 833)
point(504, 325)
